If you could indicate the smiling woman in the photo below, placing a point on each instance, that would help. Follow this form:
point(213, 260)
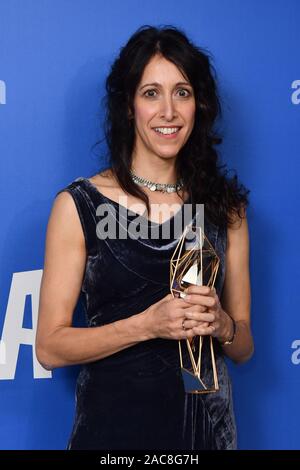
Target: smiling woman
point(164, 97)
point(161, 107)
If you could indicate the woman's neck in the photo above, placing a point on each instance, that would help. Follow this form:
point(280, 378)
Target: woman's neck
point(160, 172)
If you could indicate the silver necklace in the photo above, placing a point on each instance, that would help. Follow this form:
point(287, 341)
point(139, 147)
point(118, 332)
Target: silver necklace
point(164, 187)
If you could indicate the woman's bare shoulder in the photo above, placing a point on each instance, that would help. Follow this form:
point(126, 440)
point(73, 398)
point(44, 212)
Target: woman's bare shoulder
point(238, 220)
point(104, 179)
point(64, 209)
point(107, 184)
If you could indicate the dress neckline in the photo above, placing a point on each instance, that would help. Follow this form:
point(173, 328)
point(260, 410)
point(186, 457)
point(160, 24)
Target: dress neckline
point(118, 205)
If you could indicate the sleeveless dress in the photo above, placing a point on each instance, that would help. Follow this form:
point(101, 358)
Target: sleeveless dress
point(135, 398)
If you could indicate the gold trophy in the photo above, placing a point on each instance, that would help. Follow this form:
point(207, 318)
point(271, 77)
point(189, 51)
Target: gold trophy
point(195, 262)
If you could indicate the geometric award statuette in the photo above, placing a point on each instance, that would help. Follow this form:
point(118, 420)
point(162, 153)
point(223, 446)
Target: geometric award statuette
point(195, 261)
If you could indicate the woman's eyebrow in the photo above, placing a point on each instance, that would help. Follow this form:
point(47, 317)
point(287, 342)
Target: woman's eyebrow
point(159, 85)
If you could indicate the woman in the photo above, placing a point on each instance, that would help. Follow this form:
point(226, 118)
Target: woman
point(161, 106)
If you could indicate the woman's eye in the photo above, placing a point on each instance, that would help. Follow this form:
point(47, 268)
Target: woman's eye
point(150, 91)
point(183, 93)
point(187, 93)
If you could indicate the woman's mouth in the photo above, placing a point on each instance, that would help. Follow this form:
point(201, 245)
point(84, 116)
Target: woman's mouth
point(167, 132)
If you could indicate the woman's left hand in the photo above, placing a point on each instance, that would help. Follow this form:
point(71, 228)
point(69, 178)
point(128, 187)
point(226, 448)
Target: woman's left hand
point(220, 324)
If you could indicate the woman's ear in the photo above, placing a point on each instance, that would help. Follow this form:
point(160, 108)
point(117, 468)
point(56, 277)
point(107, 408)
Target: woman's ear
point(130, 114)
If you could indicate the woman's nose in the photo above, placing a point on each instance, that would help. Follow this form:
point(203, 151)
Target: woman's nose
point(168, 108)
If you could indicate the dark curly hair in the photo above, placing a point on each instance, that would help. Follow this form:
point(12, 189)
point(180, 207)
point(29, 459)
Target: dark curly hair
point(197, 162)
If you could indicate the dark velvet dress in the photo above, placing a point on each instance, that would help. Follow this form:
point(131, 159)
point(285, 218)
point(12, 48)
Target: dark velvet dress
point(135, 398)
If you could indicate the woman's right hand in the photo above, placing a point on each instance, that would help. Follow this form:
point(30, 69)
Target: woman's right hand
point(164, 319)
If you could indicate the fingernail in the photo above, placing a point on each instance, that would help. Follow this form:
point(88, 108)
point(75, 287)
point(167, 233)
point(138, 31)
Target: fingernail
point(182, 295)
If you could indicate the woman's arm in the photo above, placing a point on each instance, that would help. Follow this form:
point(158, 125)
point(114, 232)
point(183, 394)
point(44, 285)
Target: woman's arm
point(57, 342)
point(236, 295)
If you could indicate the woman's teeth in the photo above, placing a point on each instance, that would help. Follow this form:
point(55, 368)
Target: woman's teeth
point(166, 130)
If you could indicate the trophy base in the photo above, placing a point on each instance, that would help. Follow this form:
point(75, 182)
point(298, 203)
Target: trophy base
point(193, 384)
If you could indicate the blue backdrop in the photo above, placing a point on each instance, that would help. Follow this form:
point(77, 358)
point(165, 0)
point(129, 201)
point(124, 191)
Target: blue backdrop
point(54, 57)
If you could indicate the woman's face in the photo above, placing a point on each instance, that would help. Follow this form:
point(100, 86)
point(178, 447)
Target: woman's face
point(164, 110)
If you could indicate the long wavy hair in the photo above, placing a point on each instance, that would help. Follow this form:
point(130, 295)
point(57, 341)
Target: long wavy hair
point(197, 161)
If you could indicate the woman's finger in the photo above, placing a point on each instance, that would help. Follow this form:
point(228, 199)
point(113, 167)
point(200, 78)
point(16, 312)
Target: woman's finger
point(195, 308)
point(199, 290)
point(202, 330)
point(198, 299)
point(192, 323)
point(200, 316)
